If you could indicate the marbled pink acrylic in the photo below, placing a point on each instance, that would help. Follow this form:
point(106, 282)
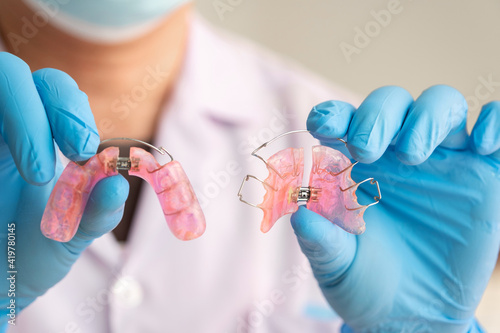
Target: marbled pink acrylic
point(69, 197)
point(278, 200)
point(330, 195)
point(331, 202)
point(177, 198)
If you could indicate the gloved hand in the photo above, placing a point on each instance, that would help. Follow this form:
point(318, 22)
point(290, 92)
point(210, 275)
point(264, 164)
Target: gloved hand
point(431, 244)
point(35, 110)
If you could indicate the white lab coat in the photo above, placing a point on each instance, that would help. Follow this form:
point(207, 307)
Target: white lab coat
point(231, 95)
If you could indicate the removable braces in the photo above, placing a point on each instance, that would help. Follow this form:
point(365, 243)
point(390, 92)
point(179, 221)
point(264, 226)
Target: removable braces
point(69, 197)
point(331, 192)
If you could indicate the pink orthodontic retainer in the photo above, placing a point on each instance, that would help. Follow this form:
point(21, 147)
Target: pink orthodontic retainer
point(331, 190)
point(69, 197)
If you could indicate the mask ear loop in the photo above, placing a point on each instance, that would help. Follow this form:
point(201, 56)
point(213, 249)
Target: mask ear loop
point(306, 190)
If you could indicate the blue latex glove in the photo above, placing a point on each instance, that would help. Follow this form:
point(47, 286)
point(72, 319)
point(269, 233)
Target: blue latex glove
point(431, 244)
point(35, 110)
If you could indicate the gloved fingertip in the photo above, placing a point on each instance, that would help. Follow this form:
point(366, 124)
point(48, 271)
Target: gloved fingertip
point(412, 149)
point(363, 154)
point(330, 120)
point(42, 177)
point(88, 148)
point(104, 209)
point(37, 179)
point(485, 136)
point(93, 228)
point(376, 122)
point(38, 170)
point(401, 92)
point(108, 196)
point(329, 249)
point(24, 125)
point(398, 98)
point(309, 226)
point(481, 146)
point(13, 62)
point(49, 75)
point(444, 91)
point(69, 113)
point(410, 158)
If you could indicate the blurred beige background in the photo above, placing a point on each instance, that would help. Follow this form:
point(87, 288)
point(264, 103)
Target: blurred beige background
point(414, 44)
point(424, 43)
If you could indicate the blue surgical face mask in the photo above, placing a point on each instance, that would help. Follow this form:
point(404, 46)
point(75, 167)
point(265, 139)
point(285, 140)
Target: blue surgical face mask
point(106, 20)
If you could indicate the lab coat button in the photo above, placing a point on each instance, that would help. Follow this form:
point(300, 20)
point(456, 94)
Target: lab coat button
point(127, 292)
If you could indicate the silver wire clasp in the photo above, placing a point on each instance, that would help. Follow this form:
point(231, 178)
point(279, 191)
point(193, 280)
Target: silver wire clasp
point(305, 194)
point(126, 163)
